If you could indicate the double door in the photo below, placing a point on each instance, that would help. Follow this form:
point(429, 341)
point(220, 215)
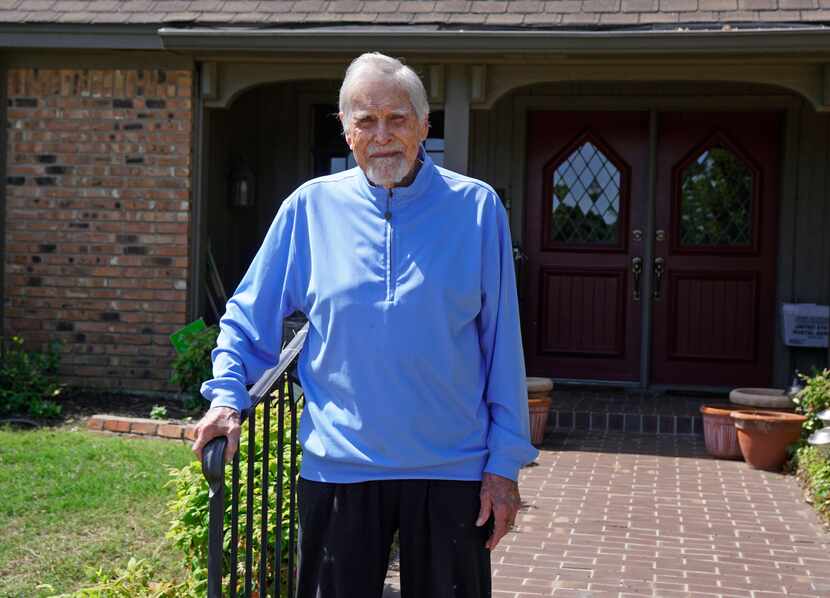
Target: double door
point(651, 253)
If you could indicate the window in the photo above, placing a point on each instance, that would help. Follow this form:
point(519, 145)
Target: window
point(585, 203)
point(716, 193)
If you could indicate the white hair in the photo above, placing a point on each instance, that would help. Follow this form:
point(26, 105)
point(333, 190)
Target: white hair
point(374, 64)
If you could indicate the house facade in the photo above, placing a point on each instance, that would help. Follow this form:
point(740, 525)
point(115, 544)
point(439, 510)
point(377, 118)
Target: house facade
point(665, 165)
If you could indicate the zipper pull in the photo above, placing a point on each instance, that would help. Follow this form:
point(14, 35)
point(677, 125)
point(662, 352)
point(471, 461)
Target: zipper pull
point(388, 214)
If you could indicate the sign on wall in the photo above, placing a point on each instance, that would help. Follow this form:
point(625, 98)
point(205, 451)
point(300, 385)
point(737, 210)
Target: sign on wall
point(805, 324)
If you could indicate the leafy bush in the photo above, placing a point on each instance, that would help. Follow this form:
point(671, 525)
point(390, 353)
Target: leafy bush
point(189, 530)
point(813, 470)
point(28, 380)
point(136, 579)
point(808, 462)
point(158, 412)
point(813, 399)
point(193, 366)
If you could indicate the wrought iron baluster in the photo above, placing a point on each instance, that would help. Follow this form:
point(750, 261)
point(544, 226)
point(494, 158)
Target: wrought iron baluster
point(249, 503)
point(278, 486)
point(263, 540)
point(234, 525)
point(292, 496)
point(213, 468)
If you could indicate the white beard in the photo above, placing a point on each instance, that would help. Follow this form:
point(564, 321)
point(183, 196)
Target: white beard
point(387, 171)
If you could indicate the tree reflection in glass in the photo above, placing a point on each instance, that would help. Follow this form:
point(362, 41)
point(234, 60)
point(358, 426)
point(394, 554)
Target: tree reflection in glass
point(716, 200)
point(586, 198)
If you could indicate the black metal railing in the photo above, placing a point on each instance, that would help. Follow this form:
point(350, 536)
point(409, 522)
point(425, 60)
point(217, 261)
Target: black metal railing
point(277, 389)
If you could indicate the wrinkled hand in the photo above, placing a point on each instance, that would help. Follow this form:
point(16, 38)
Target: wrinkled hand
point(218, 421)
point(499, 496)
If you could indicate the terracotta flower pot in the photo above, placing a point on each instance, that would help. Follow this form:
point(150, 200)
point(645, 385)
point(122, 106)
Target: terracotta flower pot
point(538, 404)
point(765, 435)
point(719, 433)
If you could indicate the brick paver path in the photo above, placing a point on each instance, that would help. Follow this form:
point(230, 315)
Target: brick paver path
point(630, 515)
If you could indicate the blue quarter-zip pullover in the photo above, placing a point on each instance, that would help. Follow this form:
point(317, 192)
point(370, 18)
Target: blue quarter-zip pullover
point(413, 365)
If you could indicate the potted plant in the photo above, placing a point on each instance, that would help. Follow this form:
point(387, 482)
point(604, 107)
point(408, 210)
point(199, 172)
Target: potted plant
point(719, 433)
point(765, 435)
point(539, 392)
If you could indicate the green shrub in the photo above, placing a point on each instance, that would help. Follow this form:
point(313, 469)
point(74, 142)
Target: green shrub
point(813, 469)
point(193, 366)
point(28, 380)
point(133, 581)
point(813, 399)
point(189, 530)
point(158, 412)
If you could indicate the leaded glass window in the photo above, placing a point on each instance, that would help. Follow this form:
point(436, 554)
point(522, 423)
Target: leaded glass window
point(716, 200)
point(586, 198)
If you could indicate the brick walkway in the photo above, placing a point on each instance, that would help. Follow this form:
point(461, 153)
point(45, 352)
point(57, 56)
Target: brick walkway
point(635, 515)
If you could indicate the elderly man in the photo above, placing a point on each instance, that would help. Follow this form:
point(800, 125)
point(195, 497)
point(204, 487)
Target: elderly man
point(416, 407)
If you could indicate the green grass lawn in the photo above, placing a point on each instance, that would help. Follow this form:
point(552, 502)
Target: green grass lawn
point(71, 499)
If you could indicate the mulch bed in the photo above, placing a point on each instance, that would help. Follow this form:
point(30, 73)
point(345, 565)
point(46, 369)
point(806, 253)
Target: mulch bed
point(77, 403)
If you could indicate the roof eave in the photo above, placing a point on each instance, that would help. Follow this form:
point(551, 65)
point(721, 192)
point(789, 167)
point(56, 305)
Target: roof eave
point(100, 37)
point(685, 39)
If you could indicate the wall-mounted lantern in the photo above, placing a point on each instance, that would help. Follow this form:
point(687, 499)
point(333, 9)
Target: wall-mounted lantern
point(241, 186)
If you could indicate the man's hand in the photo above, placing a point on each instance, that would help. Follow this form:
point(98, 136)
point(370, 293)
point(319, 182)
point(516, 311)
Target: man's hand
point(501, 497)
point(218, 421)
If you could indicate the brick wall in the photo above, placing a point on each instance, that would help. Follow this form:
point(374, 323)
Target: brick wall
point(97, 216)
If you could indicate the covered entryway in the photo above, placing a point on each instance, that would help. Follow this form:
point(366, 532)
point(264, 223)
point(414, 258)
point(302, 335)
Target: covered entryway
point(271, 138)
point(268, 140)
point(651, 239)
point(664, 221)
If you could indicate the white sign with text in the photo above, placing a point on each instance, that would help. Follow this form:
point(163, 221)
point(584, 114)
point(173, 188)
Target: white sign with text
point(806, 324)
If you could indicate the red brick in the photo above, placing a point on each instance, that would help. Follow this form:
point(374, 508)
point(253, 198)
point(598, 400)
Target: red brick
point(170, 430)
point(114, 424)
point(144, 427)
point(95, 423)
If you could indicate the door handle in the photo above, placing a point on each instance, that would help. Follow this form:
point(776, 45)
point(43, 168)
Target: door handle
point(659, 271)
point(519, 256)
point(636, 270)
point(519, 260)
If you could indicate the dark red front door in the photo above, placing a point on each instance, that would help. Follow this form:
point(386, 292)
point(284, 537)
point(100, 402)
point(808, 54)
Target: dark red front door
point(586, 193)
point(715, 247)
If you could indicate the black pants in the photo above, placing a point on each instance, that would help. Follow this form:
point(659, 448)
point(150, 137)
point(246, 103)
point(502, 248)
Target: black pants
point(346, 532)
